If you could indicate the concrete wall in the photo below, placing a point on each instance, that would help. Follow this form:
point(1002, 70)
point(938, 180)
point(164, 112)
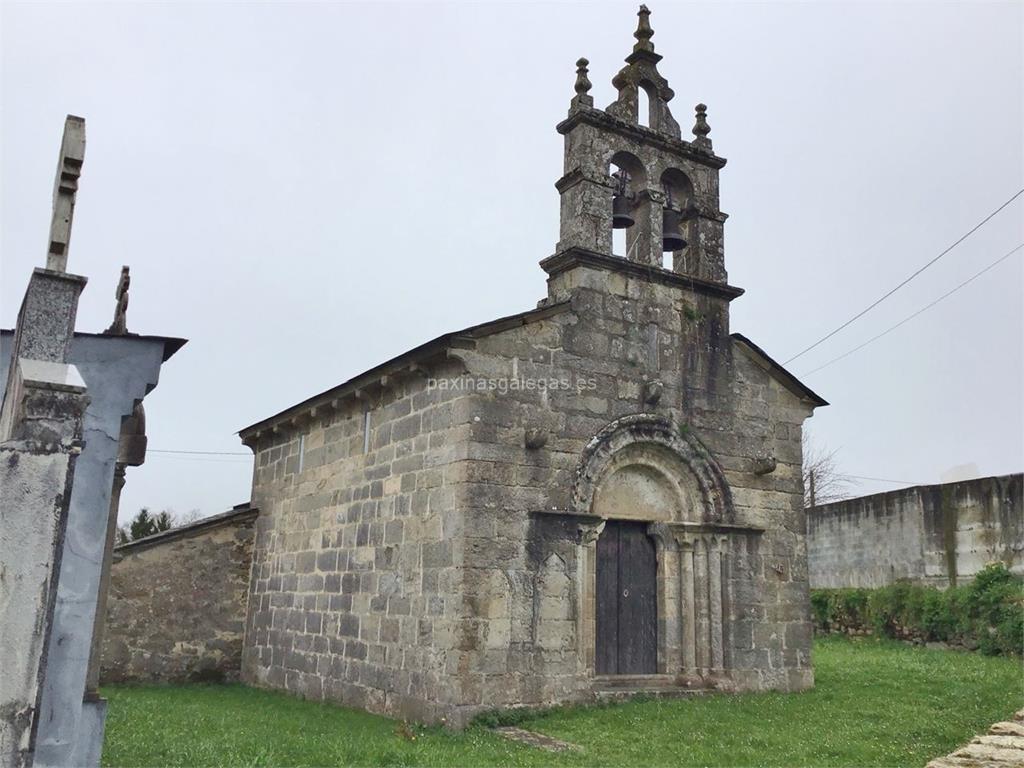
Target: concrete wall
point(35, 485)
point(176, 607)
point(933, 534)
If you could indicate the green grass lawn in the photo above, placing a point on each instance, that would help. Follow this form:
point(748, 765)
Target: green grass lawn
point(876, 703)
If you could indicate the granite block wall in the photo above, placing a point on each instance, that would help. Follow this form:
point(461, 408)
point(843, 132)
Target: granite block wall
point(355, 593)
point(177, 603)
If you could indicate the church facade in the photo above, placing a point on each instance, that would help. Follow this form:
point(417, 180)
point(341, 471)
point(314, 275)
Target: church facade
point(598, 496)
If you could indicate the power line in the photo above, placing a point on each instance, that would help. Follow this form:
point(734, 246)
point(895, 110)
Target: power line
point(201, 453)
point(231, 453)
point(885, 480)
point(863, 312)
point(206, 459)
point(915, 314)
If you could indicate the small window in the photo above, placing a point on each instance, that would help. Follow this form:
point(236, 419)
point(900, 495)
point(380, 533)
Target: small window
point(302, 451)
point(643, 107)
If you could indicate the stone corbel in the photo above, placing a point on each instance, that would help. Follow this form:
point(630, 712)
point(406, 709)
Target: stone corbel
point(535, 439)
point(653, 391)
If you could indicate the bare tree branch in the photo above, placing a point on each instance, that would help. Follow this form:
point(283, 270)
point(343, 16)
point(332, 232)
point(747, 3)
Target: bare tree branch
point(824, 483)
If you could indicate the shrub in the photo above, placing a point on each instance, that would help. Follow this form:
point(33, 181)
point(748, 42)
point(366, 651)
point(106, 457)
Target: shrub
point(987, 614)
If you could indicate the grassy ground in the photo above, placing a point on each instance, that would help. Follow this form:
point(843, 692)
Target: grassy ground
point(876, 703)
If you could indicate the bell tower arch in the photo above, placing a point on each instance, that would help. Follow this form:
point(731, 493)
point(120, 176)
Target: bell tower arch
point(666, 194)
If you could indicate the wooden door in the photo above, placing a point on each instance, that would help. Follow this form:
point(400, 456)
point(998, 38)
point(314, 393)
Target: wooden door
point(627, 621)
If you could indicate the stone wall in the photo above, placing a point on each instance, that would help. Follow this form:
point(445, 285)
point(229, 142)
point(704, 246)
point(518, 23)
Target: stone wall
point(932, 534)
point(176, 608)
point(356, 574)
point(632, 345)
point(418, 554)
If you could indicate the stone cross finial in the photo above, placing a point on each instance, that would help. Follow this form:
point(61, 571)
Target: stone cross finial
point(120, 325)
point(644, 33)
point(701, 129)
point(583, 84)
point(65, 187)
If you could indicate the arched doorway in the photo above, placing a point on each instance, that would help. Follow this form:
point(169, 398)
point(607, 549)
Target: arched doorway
point(656, 572)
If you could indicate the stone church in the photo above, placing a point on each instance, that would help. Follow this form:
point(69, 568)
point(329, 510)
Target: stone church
point(595, 497)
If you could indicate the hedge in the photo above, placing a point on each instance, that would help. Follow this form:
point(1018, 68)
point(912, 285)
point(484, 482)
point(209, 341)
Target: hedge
point(986, 614)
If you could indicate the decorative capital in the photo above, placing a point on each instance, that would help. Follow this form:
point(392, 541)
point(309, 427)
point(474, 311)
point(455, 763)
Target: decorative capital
point(644, 33)
point(684, 540)
point(583, 84)
point(662, 535)
point(589, 532)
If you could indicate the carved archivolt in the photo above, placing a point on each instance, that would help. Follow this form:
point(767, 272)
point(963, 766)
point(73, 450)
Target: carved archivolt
point(660, 469)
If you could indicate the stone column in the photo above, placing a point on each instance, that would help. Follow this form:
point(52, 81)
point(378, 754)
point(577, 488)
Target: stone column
point(667, 598)
point(727, 617)
point(687, 606)
point(586, 581)
point(644, 238)
point(702, 625)
point(715, 601)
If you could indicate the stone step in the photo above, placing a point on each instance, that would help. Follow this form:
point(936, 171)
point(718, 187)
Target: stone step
point(633, 681)
point(624, 693)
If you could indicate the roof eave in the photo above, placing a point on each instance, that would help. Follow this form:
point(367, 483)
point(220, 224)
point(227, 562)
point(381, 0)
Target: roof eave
point(787, 379)
point(419, 354)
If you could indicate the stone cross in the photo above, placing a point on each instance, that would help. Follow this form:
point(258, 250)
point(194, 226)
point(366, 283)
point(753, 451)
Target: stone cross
point(65, 187)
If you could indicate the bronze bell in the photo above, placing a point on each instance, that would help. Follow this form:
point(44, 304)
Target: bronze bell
point(622, 207)
point(622, 212)
point(671, 238)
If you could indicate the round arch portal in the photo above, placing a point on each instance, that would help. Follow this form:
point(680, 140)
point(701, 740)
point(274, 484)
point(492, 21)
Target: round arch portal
point(665, 473)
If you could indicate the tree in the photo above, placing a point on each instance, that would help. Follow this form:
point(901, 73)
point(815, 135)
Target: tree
point(144, 524)
point(164, 521)
point(188, 518)
point(823, 482)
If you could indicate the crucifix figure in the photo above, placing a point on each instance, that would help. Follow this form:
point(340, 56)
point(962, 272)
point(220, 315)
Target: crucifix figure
point(120, 324)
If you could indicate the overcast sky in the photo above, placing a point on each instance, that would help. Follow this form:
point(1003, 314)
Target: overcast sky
point(306, 190)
